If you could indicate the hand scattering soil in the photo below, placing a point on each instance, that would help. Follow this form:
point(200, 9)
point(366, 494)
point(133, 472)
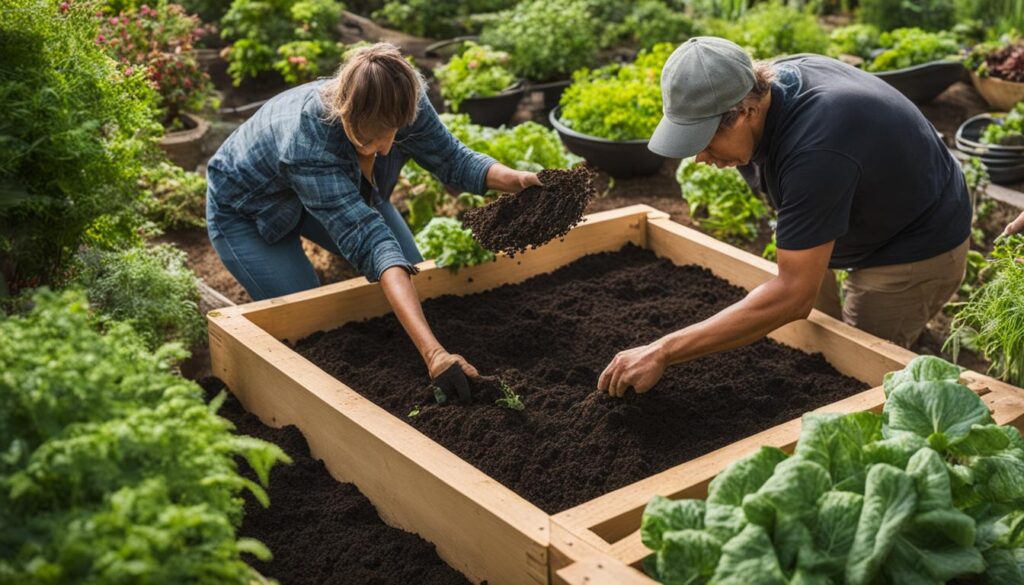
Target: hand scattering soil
point(535, 215)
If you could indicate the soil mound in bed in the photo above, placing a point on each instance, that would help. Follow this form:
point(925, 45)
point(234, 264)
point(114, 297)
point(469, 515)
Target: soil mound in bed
point(535, 215)
point(322, 531)
point(549, 338)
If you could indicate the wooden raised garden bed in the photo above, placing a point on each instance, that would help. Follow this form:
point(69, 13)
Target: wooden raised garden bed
point(481, 527)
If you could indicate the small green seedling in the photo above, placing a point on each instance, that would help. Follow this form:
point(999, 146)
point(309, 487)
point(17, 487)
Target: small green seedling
point(414, 412)
point(439, 396)
point(509, 398)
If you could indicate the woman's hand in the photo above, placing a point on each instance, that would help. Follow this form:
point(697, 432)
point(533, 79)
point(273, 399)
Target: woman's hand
point(438, 360)
point(506, 180)
point(1015, 226)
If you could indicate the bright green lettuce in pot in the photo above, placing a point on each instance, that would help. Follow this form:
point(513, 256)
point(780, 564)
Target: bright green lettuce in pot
point(857, 39)
point(927, 491)
point(479, 71)
point(907, 47)
point(1007, 132)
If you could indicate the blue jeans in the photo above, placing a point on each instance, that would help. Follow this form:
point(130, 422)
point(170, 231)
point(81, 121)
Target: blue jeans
point(271, 270)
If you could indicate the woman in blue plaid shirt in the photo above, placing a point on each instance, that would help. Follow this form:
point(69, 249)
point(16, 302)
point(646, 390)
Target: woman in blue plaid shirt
point(320, 161)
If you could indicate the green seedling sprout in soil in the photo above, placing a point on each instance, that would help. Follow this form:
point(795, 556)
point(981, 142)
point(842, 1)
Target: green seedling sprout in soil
point(414, 412)
point(509, 398)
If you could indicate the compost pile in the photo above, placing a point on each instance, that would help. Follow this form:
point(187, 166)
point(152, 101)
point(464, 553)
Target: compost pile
point(536, 215)
point(1007, 63)
point(549, 338)
point(322, 531)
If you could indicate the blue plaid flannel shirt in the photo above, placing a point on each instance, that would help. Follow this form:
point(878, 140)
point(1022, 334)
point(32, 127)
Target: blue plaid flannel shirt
point(286, 158)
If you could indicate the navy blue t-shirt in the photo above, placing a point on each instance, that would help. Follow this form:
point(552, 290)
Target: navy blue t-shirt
point(846, 157)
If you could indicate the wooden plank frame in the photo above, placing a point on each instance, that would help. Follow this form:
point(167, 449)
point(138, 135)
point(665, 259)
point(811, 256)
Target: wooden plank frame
point(479, 526)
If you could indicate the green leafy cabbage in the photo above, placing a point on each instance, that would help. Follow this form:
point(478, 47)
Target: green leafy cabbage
point(479, 71)
point(720, 200)
point(445, 241)
point(927, 491)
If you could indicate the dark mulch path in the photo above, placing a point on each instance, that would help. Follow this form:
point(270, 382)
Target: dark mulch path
point(324, 532)
point(550, 338)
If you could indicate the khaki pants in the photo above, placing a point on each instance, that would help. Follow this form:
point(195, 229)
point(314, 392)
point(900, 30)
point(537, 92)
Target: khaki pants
point(895, 302)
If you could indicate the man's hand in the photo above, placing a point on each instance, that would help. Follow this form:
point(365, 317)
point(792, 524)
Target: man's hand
point(640, 367)
point(506, 180)
point(1015, 226)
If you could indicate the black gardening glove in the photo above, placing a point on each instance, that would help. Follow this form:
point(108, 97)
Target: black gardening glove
point(450, 383)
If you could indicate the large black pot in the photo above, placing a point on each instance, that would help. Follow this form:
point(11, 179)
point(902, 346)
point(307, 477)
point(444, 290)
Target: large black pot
point(619, 158)
point(552, 91)
point(494, 110)
point(923, 83)
point(1005, 164)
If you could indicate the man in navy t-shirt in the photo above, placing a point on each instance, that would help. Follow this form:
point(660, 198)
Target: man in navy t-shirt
point(860, 180)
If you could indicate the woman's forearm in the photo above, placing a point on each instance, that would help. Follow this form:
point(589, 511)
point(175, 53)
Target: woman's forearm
point(401, 294)
point(506, 180)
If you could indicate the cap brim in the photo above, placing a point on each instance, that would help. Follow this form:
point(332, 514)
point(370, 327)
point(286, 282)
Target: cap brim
point(683, 140)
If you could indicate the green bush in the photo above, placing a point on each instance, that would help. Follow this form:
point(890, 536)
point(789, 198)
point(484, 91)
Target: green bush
point(617, 102)
point(172, 197)
point(151, 289)
point(75, 134)
point(1009, 130)
point(479, 71)
point(720, 200)
point(548, 39)
point(436, 18)
point(906, 47)
point(114, 468)
point(296, 38)
point(857, 39)
point(651, 22)
point(772, 29)
point(445, 241)
point(930, 15)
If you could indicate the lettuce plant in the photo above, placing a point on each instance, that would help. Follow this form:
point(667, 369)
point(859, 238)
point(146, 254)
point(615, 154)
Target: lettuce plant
point(906, 47)
point(1008, 131)
point(720, 200)
point(856, 39)
point(772, 29)
point(445, 241)
point(479, 71)
point(927, 491)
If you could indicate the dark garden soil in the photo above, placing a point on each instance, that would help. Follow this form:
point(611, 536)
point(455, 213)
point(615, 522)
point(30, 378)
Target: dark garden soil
point(534, 216)
point(549, 338)
point(321, 531)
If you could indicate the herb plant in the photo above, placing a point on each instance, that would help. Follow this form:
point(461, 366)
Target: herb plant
point(927, 491)
point(77, 131)
point(1007, 131)
point(772, 29)
point(445, 241)
point(115, 470)
point(856, 39)
point(720, 200)
point(906, 47)
point(509, 399)
point(547, 39)
point(479, 71)
point(173, 197)
point(992, 320)
point(149, 288)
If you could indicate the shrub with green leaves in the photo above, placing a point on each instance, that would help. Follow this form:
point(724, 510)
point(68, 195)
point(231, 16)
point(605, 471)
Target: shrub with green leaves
point(479, 71)
point(149, 288)
point(992, 320)
point(1008, 131)
point(445, 241)
point(296, 38)
point(436, 18)
point(930, 490)
point(650, 22)
point(548, 39)
point(891, 14)
point(856, 39)
point(114, 469)
point(720, 200)
point(906, 47)
point(617, 102)
point(172, 197)
point(772, 29)
point(76, 133)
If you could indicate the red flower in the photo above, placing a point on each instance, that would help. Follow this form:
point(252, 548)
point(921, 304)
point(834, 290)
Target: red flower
point(64, 7)
point(100, 39)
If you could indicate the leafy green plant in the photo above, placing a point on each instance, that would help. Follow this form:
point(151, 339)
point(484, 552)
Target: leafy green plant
point(718, 9)
point(159, 41)
point(928, 491)
point(1001, 16)
point(1007, 131)
point(650, 22)
point(856, 39)
point(720, 200)
point(906, 47)
point(173, 198)
point(992, 320)
point(445, 241)
point(436, 18)
point(115, 470)
point(296, 38)
point(149, 288)
point(77, 130)
point(617, 102)
point(547, 39)
point(479, 71)
point(509, 399)
point(772, 29)
point(891, 14)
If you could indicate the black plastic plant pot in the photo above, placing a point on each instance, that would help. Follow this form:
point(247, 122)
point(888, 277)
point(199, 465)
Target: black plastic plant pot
point(1005, 164)
point(494, 110)
point(552, 91)
point(923, 83)
point(619, 158)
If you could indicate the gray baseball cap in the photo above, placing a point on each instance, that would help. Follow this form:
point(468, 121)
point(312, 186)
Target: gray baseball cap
point(702, 79)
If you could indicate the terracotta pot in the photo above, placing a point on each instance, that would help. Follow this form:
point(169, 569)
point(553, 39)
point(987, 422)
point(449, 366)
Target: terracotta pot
point(1000, 94)
point(185, 147)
